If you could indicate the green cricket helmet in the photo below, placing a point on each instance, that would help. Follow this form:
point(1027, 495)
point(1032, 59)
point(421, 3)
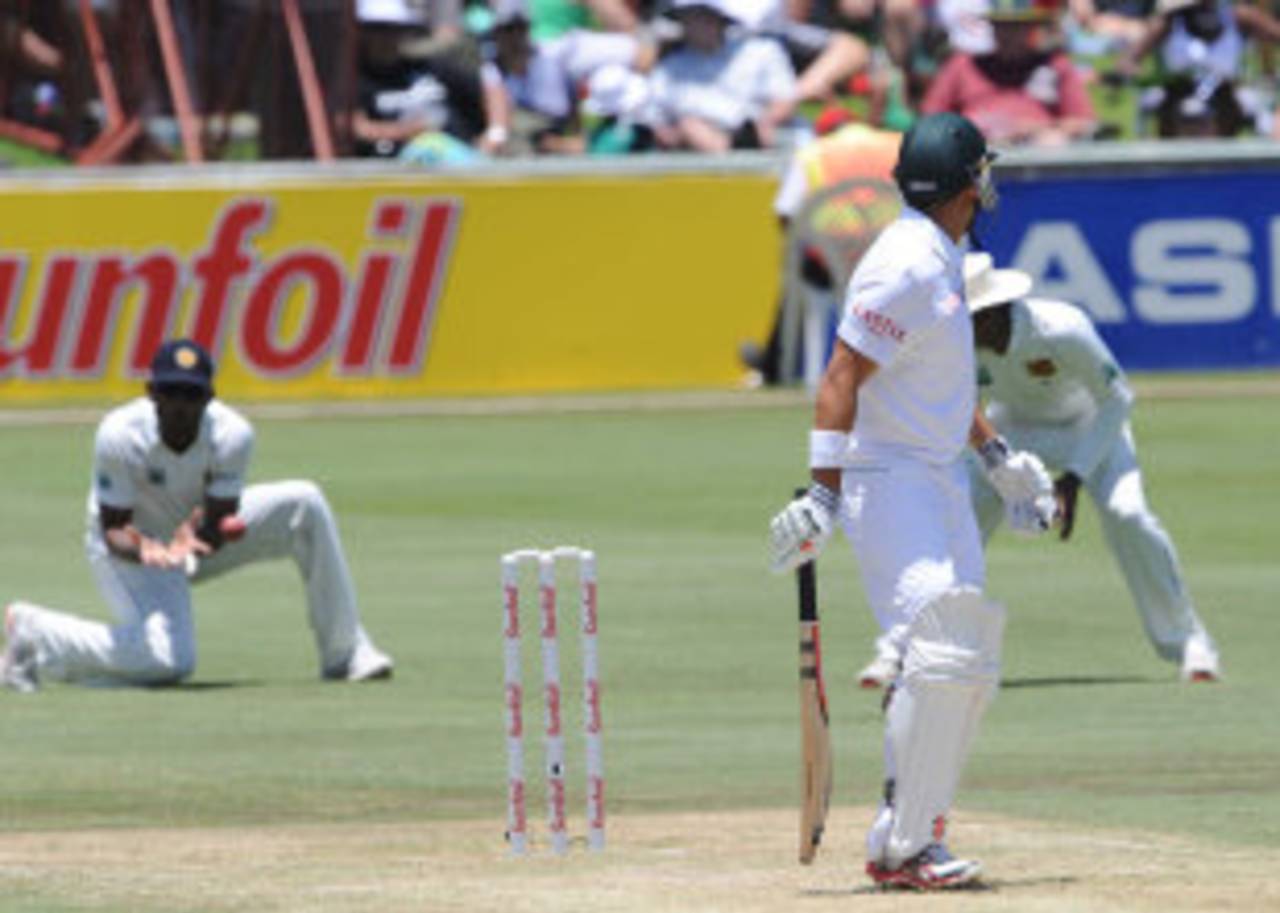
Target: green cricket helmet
point(940, 156)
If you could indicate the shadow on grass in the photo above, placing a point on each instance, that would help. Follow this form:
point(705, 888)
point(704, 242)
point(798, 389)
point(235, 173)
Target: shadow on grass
point(985, 886)
point(180, 687)
point(1068, 681)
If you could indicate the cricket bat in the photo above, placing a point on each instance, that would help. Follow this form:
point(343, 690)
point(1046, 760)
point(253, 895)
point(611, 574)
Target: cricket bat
point(815, 724)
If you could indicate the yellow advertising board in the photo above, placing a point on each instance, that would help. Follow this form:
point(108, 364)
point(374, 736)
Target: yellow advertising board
point(359, 285)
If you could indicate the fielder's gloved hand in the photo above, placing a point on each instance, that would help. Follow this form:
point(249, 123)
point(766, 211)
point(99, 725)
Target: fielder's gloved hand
point(801, 529)
point(1067, 490)
point(1016, 476)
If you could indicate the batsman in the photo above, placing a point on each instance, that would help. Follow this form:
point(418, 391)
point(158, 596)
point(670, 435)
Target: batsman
point(894, 412)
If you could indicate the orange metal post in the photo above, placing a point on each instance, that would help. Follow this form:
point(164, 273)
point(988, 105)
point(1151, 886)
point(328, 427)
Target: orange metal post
point(312, 96)
point(177, 77)
point(101, 66)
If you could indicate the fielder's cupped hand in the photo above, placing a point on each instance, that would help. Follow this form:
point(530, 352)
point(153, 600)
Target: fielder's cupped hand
point(801, 529)
point(186, 546)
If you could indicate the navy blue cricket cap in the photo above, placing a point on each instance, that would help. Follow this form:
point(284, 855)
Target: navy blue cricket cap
point(182, 361)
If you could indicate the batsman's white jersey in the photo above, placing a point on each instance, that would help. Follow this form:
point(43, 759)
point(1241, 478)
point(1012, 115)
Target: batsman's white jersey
point(154, 638)
point(906, 497)
point(1058, 392)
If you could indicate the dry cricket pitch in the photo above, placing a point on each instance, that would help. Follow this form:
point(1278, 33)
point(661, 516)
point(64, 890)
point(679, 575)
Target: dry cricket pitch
point(736, 862)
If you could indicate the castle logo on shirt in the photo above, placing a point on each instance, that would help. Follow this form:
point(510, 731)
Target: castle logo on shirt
point(1042, 368)
point(155, 475)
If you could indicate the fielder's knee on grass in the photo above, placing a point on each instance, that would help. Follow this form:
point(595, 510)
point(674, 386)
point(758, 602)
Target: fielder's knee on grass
point(950, 671)
point(157, 653)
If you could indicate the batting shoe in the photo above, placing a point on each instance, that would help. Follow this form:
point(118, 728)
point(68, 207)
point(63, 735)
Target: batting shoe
point(932, 869)
point(366, 664)
point(1200, 661)
point(18, 670)
point(879, 673)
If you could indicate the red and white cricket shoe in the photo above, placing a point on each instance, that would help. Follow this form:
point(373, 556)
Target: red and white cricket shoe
point(932, 869)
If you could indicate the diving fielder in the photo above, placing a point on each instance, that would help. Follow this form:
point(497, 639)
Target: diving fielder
point(1053, 387)
point(168, 507)
point(894, 412)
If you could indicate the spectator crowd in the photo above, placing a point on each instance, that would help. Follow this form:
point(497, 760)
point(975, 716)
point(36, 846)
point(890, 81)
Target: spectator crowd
point(451, 82)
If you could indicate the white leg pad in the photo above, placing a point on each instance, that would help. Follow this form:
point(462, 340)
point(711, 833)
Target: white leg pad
point(950, 672)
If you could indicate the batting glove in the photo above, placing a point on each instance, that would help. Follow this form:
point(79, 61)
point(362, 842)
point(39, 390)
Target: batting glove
point(1031, 517)
point(1016, 476)
point(801, 529)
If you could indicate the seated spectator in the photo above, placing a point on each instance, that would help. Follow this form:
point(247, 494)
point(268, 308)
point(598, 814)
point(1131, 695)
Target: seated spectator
point(1026, 90)
point(619, 98)
point(1202, 46)
point(401, 99)
point(715, 91)
point(824, 55)
point(33, 70)
point(532, 87)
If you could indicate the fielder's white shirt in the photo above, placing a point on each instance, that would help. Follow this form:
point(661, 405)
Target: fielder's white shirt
point(133, 469)
point(1057, 371)
point(905, 310)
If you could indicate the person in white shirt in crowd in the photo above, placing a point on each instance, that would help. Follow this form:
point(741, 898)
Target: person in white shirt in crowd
point(720, 89)
point(1053, 388)
point(1203, 46)
point(823, 57)
point(168, 508)
point(544, 80)
point(620, 101)
point(402, 99)
point(894, 413)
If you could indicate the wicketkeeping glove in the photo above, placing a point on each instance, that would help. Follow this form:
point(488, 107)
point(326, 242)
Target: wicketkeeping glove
point(801, 529)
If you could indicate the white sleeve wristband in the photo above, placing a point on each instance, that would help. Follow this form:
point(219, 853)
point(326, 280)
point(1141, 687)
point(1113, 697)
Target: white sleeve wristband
point(827, 449)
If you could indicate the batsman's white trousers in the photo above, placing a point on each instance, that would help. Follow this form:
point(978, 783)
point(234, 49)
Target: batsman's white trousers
point(1137, 540)
point(914, 534)
point(154, 639)
point(912, 529)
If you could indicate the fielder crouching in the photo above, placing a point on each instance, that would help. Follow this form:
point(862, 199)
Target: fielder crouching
point(168, 507)
point(895, 410)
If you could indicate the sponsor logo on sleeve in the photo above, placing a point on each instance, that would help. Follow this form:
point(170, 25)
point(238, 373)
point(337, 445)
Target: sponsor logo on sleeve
point(879, 324)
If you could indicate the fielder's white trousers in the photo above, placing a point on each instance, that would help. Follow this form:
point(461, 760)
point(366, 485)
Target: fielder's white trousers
point(1137, 540)
point(154, 638)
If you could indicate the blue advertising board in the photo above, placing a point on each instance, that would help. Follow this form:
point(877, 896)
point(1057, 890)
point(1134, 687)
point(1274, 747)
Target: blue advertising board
point(1179, 271)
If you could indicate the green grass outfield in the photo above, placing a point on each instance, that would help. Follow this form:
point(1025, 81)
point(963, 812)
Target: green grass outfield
point(698, 642)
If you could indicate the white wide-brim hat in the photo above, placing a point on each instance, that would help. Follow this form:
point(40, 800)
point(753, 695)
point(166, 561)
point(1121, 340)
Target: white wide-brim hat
point(985, 286)
point(721, 8)
point(389, 12)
